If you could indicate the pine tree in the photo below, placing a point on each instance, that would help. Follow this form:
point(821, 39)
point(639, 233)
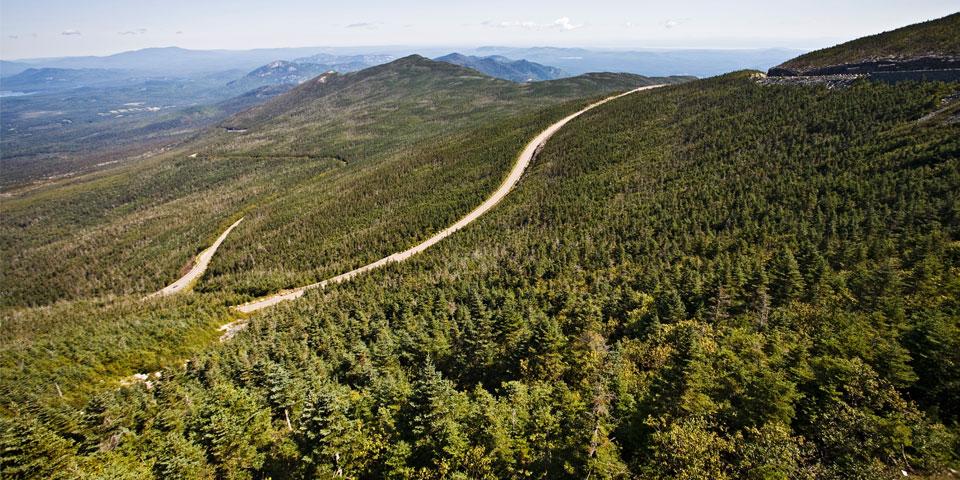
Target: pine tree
point(30, 450)
point(543, 357)
point(181, 459)
point(787, 284)
point(331, 442)
point(434, 414)
point(760, 301)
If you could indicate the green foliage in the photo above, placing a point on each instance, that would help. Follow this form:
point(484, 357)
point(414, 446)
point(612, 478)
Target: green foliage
point(181, 459)
point(712, 280)
point(330, 177)
point(64, 354)
point(28, 449)
point(233, 429)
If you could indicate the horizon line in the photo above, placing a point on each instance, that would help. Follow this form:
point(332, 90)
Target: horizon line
point(415, 46)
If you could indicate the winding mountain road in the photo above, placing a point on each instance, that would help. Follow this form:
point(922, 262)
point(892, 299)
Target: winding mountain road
point(526, 156)
point(199, 266)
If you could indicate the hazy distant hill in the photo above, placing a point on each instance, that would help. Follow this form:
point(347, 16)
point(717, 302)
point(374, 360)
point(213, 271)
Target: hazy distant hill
point(178, 61)
point(362, 60)
point(280, 72)
point(45, 79)
point(182, 61)
point(11, 68)
point(928, 45)
point(75, 118)
point(659, 62)
point(505, 68)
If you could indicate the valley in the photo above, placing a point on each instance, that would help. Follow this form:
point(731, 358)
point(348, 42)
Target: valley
point(361, 262)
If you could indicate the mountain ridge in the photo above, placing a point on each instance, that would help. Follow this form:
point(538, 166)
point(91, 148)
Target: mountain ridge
point(930, 45)
point(279, 72)
point(419, 79)
point(502, 67)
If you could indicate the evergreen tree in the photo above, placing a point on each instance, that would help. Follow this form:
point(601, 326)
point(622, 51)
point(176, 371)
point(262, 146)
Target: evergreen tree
point(30, 450)
point(787, 282)
point(439, 442)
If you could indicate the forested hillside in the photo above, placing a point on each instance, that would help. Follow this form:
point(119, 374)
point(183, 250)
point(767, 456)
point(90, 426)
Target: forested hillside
point(89, 248)
point(313, 169)
point(711, 280)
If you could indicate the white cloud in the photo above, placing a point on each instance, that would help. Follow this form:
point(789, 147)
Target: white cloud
point(70, 32)
point(13, 37)
point(565, 24)
point(675, 22)
point(366, 25)
point(139, 31)
point(562, 23)
point(511, 24)
point(179, 32)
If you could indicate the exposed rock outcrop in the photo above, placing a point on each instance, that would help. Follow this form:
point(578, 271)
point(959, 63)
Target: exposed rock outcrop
point(830, 81)
point(872, 66)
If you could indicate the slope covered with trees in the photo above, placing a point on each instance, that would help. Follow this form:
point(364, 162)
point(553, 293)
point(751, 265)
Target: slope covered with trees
point(712, 280)
point(935, 38)
point(121, 233)
point(314, 168)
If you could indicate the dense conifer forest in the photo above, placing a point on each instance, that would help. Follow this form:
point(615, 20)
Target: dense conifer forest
point(717, 279)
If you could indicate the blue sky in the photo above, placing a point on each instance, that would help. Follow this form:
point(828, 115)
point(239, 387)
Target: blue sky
point(37, 28)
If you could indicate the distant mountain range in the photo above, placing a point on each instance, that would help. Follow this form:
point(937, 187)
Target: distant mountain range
point(573, 61)
point(177, 61)
point(660, 62)
point(283, 72)
point(335, 59)
point(505, 68)
point(48, 79)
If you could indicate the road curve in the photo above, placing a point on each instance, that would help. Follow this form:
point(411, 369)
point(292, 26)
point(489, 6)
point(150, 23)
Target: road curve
point(526, 156)
point(199, 266)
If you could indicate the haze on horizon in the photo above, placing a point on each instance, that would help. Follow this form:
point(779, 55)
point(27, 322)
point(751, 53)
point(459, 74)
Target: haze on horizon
point(52, 28)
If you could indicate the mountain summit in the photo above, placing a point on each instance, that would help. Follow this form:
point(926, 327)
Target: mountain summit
point(284, 72)
point(421, 90)
point(505, 68)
